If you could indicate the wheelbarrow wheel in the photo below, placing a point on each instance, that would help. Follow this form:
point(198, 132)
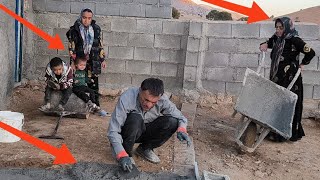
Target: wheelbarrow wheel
point(249, 136)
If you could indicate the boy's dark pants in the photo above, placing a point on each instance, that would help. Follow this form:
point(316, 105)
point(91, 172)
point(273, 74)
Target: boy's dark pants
point(66, 93)
point(95, 87)
point(150, 135)
point(81, 92)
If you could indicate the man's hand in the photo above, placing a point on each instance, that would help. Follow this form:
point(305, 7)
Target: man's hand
point(182, 135)
point(126, 164)
point(301, 66)
point(263, 47)
point(104, 64)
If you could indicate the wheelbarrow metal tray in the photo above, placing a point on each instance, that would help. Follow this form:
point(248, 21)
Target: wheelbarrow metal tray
point(267, 103)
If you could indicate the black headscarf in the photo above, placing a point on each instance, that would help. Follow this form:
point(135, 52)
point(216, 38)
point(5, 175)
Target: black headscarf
point(289, 32)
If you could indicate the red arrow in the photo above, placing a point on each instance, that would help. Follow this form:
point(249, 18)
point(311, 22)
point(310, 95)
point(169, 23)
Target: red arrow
point(63, 155)
point(255, 13)
point(54, 42)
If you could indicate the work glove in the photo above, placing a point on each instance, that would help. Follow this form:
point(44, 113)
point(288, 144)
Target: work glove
point(126, 164)
point(182, 135)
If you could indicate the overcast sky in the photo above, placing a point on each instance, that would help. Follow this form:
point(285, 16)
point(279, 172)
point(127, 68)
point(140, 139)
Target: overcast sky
point(277, 7)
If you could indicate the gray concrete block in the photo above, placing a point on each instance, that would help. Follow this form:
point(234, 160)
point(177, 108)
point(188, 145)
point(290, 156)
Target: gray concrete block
point(147, 54)
point(124, 24)
point(42, 48)
point(311, 77)
point(115, 66)
point(220, 74)
point(214, 86)
point(189, 85)
point(166, 2)
point(172, 56)
point(223, 45)
point(249, 45)
point(308, 32)
point(316, 92)
point(267, 30)
point(48, 21)
point(155, 11)
point(221, 30)
point(244, 60)
point(190, 73)
point(133, 10)
point(184, 42)
point(233, 88)
point(240, 73)
point(167, 42)
point(307, 91)
point(110, 9)
point(138, 67)
point(149, 26)
point(38, 5)
point(192, 58)
point(141, 40)
point(193, 44)
point(115, 38)
point(195, 28)
point(175, 27)
point(77, 7)
point(216, 59)
point(104, 23)
point(41, 60)
point(164, 69)
point(113, 79)
point(60, 6)
point(245, 30)
point(119, 1)
point(150, 2)
point(120, 52)
point(61, 33)
point(66, 21)
point(172, 83)
point(313, 65)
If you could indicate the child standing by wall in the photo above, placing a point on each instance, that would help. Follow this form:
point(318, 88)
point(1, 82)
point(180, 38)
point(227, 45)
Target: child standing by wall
point(59, 77)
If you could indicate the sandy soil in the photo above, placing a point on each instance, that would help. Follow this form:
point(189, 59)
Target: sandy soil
point(214, 132)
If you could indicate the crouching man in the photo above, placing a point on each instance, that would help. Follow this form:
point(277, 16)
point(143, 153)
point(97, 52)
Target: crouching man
point(144, 115)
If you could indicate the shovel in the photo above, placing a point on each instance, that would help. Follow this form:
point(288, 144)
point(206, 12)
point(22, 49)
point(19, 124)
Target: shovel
point(53, 135)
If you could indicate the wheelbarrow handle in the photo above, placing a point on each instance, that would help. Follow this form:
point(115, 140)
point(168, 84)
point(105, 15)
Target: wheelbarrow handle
point(262, 62)
point(294, 79)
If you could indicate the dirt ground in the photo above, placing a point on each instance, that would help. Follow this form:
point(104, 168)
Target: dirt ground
point(214, 132)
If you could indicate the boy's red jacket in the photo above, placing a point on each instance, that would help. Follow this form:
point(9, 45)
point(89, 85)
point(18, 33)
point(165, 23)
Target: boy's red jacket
point(66, 79)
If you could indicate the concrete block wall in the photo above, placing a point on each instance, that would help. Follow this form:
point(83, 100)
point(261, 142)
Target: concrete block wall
point(127, 8)
point(7, 55)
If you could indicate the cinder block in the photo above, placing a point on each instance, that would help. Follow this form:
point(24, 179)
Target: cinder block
point(138, 67)
point(245, 30)
point(190, 73)
point(119, 1)
point(66, 21)
point(104, 23)
point(216, 59)
point(189, 85)
point(221, 30)
point(239, 76)
point(117, 79)
point(155, 11)
point(192, 58)
point(244, 60)
point(172, 83)
point(115, 38)
point(38, 5)
point(167, 42)
point(164, 69)
point(166, 2)
point(233, 88)
point(316, 92)
point(42, 48)
point(133, 10)
point(76, 7)
point(220, 74)
point(59, 6)
point(147, 54)
point(41, 60)
point(184, 42)
point(308, 32)
point(46, 21)
point(123, 24)
point(138, 79)
point(121, 52)
point(249, 45)
point(307, 91)
point(108, 9)
point(223, 45)
point(175, 27)
point(115, 66)
point(311, 77)
point(195, 28)
point(214, 86)
point(267, 30)
point(61, 33)
point(141, 40)
point(150, 26)
point(172, 56)
point(313, 65)
point(151, 2)
point(193, 44)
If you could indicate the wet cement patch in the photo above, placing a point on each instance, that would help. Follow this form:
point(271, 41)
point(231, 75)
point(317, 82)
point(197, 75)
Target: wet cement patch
point(80, 171)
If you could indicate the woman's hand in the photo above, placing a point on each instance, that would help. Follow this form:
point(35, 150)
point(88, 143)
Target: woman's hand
point(263, 47)
point(104, 64)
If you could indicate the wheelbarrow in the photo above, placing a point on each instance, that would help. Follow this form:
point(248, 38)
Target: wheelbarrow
point(264, 106)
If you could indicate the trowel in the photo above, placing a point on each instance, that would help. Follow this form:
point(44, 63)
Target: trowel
point(128, 174)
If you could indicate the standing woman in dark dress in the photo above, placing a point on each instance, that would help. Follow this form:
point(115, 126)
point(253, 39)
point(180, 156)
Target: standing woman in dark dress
point(286, 48)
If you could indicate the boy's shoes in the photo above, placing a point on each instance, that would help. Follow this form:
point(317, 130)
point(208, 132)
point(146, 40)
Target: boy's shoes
point(45, 107)
point(103, 113)
point(60, 107)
